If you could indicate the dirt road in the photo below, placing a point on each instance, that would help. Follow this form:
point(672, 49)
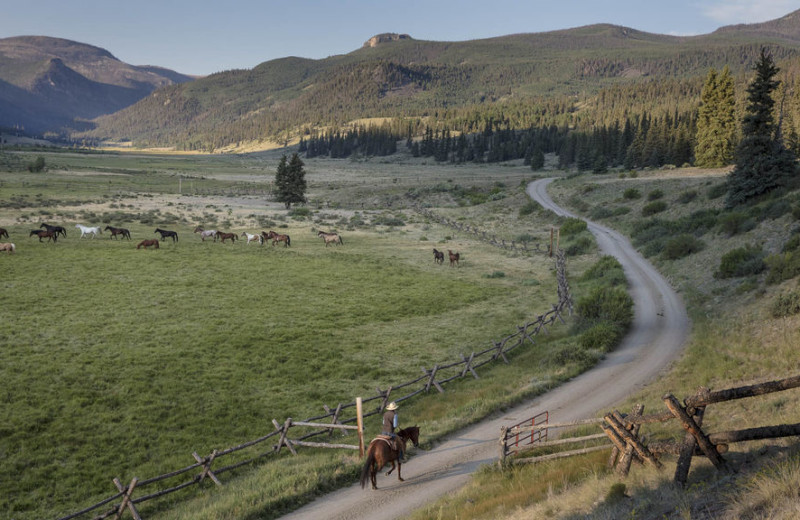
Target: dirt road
point(656, 338)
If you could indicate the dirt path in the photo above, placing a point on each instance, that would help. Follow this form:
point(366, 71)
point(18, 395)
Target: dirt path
point(659, 331)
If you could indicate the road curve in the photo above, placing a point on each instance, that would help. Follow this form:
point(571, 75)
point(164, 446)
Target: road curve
point(656, 338)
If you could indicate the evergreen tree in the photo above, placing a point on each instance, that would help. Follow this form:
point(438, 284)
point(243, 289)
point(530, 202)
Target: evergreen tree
point(290, 181)
point(762, 161)
point(716, 121)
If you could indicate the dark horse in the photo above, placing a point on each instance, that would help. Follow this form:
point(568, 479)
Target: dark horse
point(438, 256)
point(381, 452)
point(453, 258)
point(43, 233)
point(147, 243)
point(118, 231)
point(3, 233)
point(226, 236)
point(55, 229)
point(165, 234)
point(275, 237)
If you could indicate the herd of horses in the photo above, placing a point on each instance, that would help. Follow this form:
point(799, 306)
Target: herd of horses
point(438, 257)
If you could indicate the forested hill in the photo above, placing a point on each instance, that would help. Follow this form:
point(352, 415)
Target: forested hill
point(50, 83)
point(556, 77)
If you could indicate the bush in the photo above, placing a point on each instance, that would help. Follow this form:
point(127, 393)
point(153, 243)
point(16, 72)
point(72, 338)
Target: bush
point(682, 245)
point(653, 208)
point(611, 304)
point(715, 192)
point(631, 193)
point(573, 226)
point(742, 261)
point(602, 336)
point(655, 195)
point(37, 165)
point(786, 305)
point(735, 222)
point(608, 270)
point(783, 266)
point(687, 196)
point(528, 208)
point(792, 244)
point(580, 246)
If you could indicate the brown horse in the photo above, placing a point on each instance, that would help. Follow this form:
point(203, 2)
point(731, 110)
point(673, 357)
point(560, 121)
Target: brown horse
point(41, 233)
point(8, 247)
point(226, 236)
point(330, 238)
point(146, 243)
point(453, 258)
point(275, 237)
point(438, 256)
point(3, 233)
point(381, 452)
point(118, 231)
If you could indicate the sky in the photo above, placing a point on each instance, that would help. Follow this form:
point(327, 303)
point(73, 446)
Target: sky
point(201, 37)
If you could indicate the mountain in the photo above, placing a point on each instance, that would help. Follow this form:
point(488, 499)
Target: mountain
point(533, 77)
point(47, 84)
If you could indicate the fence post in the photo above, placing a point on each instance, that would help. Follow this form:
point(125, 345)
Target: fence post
point(126, 499)
point(360, 424)
point(502, 458)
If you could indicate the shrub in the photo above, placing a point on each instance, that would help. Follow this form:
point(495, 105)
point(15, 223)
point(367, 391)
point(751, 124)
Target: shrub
point(300, 212)
point(742, 261)
point(655, 195)
point(611, 304)
point(717, 191)
point(786, 305)
point(495, 274)
point(601, 336)
point(687, 196)
point(607, 269)
point(735, 222)
point(580, 246)
point(792, 244)
point(653, 208)
point(783, 266)
point(528, 208)
point(573, 226)
point(631, 194)
point(681, 245)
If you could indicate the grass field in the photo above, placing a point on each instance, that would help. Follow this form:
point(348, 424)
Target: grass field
point(119, 362)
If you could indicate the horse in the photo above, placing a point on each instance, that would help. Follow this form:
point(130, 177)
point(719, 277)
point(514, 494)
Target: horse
point(225, 236)
point(54, 229)
point(146, 243)
point(438, 256)
point(330, 238)
point(453, 258)
point(8, 247)
point(275, 237)
point(118, 231)
point(252, 238)
point(381, 452)
point(85, 230)
point(206, 233)
point(42, 233)
point(3, 232)
point(165, 234)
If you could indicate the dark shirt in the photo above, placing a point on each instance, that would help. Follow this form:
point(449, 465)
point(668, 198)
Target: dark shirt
point(389, 422)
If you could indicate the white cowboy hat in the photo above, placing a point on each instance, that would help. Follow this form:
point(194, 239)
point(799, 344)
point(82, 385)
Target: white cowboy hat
point(392, 406)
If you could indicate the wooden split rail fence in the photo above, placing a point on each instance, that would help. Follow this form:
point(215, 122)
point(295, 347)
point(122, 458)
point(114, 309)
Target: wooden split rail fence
point(432, 378)
point(622, 432)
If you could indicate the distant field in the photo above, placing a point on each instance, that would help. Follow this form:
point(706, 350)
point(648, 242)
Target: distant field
point(121, 362)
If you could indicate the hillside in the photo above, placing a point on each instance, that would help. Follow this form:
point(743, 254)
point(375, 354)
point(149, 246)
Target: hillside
point(394, 76)
point(50, 83)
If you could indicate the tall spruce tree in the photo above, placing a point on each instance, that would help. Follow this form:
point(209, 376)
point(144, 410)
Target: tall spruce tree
point(762, 161)
point(290, 181)
point(716, 121)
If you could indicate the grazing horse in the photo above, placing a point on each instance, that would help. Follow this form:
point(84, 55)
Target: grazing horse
point(275, 237)
point(118, 231)
point(453, 258)
point(85, 230)
point(8, 247)
point(3, 232)
point(381, 452)
point(226, 236)
point(253, 238)
point(206, 233)
point(330, 238)
point(165, 234)
point(146, 243)
point(54, 229)
point(43, 233)
point(438, 256)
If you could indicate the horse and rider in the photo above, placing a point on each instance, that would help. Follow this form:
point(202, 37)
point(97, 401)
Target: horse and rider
point(388, 448)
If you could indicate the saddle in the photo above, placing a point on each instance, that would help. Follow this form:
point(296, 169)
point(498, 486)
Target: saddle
point(396, 444)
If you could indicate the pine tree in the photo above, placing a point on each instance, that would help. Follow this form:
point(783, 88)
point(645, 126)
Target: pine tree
point(762, 161)
point(290, 182)
point(716, 121)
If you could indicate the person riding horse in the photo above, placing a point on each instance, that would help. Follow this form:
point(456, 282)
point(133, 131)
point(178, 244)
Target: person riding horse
point(390, 419)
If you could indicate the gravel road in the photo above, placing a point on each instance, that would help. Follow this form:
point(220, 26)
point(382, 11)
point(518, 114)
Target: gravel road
point(659, 331)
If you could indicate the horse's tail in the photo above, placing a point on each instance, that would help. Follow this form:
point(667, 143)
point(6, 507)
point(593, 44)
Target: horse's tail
point(288, 240)
point(340, 240)
point(365, 470)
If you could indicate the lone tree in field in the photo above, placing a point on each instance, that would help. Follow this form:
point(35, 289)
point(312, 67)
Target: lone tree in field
point(290, 181)
point(763, 163)
point(716, 121)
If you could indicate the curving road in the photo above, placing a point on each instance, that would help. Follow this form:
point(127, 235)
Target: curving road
point(656, 338)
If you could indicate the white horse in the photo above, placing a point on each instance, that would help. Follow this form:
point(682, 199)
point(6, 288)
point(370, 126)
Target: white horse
point(85, 230)
point(206, 233)
point(251, 238)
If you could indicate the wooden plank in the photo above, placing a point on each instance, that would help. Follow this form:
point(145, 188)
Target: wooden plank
point(324, 425)
point(752, 434)
point(468, 365)
point(614, 420)
point(546, 426)
point(689, 445)
point(624, 465)
point(126, 499)
point(744, 391)
point(561, 455)
point(207, 467)
point(690, 426)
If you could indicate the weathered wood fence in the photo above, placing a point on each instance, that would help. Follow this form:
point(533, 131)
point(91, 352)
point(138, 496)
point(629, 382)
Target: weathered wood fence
point(622, 432)
point(339, 418)
point(478, 234)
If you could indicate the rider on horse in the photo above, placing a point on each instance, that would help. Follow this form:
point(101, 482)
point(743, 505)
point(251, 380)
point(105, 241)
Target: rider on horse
point(389, 424)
